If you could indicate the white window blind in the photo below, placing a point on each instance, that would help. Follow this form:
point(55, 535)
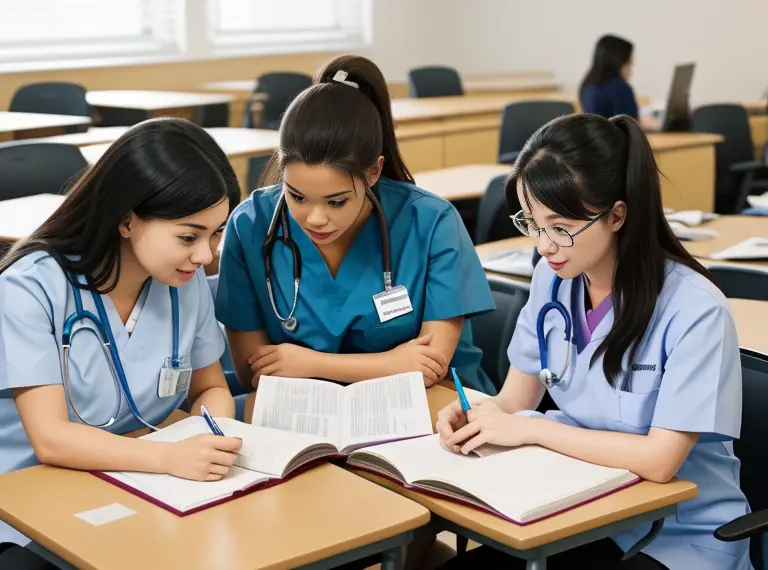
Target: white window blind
point(46, 30)
point(279, 25)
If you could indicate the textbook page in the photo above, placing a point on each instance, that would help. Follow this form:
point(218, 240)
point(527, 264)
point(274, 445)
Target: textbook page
point(383, 409)
point(299, 405)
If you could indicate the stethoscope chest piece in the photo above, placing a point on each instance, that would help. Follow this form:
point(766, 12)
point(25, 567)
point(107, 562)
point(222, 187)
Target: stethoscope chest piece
point(549, 378)
point(290, 324)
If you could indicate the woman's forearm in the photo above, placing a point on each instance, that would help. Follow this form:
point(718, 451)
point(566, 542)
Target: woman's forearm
point(355, 367)
point(655, 457)
point(217, 400)
point(86, 448)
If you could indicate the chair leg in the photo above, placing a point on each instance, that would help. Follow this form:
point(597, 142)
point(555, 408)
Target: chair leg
point(461, 544)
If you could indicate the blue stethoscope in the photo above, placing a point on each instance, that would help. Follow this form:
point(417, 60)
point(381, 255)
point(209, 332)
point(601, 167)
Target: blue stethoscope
point(103, 331)
point(546, 376)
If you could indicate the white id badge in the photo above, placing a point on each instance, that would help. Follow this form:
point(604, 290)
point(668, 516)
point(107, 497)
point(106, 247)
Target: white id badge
point(174, 379)
point(392, 303)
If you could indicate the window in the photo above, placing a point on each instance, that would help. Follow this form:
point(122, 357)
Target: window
point(270, 25)
point(45, 30)
point(73, 33)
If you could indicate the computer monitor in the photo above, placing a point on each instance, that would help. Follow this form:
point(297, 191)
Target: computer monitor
point(677, 116)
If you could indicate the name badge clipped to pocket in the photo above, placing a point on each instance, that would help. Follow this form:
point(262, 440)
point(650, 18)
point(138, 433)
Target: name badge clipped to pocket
point(392, 303)
point(174, 379)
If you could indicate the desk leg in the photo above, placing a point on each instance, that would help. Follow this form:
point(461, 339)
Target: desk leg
point(537, 564)
point(393, 559)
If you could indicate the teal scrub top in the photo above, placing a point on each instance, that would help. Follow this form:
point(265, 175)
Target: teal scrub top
point(431, 255)
point(686, 376)
point(36, 298)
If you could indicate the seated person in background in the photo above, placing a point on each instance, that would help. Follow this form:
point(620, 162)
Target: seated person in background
point(605, 90)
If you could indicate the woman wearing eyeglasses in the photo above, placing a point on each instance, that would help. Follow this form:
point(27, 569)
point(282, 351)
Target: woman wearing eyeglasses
point(634, 342)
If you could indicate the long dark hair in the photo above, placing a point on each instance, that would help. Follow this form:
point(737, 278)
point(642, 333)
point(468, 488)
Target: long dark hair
point(578, 165)
point(338, 125)
point(159, 169)
point(611, 53)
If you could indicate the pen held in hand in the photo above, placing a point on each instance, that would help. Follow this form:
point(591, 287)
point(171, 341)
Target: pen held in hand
point(465, 407)
point(210, 421)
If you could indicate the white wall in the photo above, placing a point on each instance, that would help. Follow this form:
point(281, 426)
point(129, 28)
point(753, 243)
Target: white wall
point(726, 38)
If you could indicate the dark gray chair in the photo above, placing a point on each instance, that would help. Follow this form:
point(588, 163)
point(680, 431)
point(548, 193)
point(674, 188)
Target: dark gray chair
point(751, 450)
point(29, 168)
point(493, 214)
point(280, 89)
point(741, 282)
point(56, 98)
point(213, 115)
point(493, 331)
point(434, 81)
point(737, 174)
point(520, 120)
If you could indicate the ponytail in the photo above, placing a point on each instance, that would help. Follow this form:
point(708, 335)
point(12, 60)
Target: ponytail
point(579, 164)
point(344, 121)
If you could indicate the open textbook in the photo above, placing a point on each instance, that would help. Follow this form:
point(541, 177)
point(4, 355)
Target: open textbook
point(300, 422)
point(522, 485)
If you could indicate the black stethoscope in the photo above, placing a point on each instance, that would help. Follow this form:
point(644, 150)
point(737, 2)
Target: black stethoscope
point(280, 220)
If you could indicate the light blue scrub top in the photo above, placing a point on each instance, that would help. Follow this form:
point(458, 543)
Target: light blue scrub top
point(686, 377)
point(36, 299)
point(431, 254)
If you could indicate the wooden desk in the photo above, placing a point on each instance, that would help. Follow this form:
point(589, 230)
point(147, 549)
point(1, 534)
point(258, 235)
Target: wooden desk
point(241, 91)
point(32, 125)
point(641, 503)
point(460, 182)
point(239, 145)
point(94, 135)
point(321, 515)
point(750, 317)
point(156, 103)
point(22, 216)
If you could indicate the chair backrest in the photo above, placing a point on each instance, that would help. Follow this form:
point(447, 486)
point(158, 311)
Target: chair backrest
point(51, 97)
point(280, 89)
point(493, 221)
point(213, 115)
point(434, 81)
point(29, 168)
point(741, 282)
point(492, 331)
point(750, 448)
point(732, 123)
point(520, 120)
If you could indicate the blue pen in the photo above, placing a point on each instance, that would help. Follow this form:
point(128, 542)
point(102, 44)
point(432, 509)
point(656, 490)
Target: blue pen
point(460, 389)
point(210, 421)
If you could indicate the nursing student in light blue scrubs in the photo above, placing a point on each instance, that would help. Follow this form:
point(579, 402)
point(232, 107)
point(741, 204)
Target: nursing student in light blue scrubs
point(346, 200)
point(654, 380)
point(128, 243)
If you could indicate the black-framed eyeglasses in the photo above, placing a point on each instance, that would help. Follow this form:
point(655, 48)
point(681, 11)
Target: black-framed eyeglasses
point(556, 234)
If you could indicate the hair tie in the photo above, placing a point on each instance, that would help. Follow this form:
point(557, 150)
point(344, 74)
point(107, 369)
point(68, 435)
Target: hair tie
point(341, 77)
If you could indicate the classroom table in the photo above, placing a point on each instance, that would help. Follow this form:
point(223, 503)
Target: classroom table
point(750, 317)
point(319, 519)
point(15, 125)
point(240, 145)
point(20, 217)
point(460, 182)
point(645, 502)
point(156, 103)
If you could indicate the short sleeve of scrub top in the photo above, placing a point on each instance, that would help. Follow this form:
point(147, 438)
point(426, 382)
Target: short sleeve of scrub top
point(209, 343)
point(237, 305)
point(29, 351)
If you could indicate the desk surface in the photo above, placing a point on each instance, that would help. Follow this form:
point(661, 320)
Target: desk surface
point(318, 514)
point(153, 100)
point(22, 216)
point(460, 182)
point(235, 142)
point(750, 318)
point(408, 109)
point(640, 498)
point(13, 122)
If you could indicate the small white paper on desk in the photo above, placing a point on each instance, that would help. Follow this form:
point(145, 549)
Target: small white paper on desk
point(106, 514)
point(690, 217)
point(758, 201)
point(685, 233)
point(512, 262)
point(752, 248)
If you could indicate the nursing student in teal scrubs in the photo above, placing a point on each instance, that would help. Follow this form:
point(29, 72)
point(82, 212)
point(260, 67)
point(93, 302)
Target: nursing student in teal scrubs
point(347, 199)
